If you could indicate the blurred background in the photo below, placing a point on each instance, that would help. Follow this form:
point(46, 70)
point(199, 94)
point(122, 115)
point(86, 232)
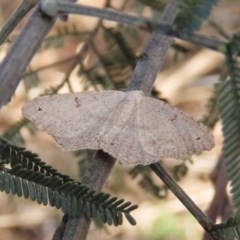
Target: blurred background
point(87, 54)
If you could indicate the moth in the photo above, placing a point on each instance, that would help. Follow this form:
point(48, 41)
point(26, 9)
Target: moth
point(127, 125)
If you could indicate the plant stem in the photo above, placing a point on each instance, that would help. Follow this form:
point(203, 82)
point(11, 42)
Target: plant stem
point(153, 56)
point(16, 17)
point(203, 219)
point(125, 18)
point(95, 177)
point(21, 53)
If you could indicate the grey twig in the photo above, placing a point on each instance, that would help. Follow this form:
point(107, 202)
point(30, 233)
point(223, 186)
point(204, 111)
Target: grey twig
point(154, 54)
point(16, 17)
point(95, 177)
point(54, 7)
point(21, 53)
point(203, 219)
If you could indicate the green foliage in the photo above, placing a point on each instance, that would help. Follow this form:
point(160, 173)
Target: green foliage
point(229, 107)
point(179, 171)
point(13, 133)
point(192, 13)
point(113, 65)
point(212, 116)
point(226, 103)
point(124, 49)
point(146, 181)
point(23, 173)
point(233, 46)
point(230, 229)
point(59, 38)
point(31, 78)
point(155, 4)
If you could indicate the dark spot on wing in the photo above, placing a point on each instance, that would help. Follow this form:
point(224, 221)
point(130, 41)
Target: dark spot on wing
point(40, 108)
point(198, 138)
point(78, 102)
point(173, 118)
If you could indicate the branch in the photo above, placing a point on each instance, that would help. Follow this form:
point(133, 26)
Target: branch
point(95, 177)
point(55, 7)
point(153, 56)
point(202, 219)
point(16, 17)
point(21, 53)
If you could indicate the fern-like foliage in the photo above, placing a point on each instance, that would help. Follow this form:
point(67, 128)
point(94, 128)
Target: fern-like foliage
point(113, 65)
point(192, 13)
point(234, 45)
point(147, 183)
point(212, 116)
point(13, 132)
point(62, 33)
point(230, 230)
point(123, 47)
point(154, 4)
point(229, 108)
point(30, 78)
point(23, 173)
point(179, 171)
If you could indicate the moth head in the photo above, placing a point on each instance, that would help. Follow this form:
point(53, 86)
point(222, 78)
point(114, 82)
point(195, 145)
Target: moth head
point(36, 108)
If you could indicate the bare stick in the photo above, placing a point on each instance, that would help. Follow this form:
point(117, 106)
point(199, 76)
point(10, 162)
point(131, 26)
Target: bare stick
point(21, 53)
point(154, 54)
point(203, 219)
point(54, 7)
point(95, 177)
point(16, 17)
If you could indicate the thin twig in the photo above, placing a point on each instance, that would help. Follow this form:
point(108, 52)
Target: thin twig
point(220, 202)
point(125, 18)
point(153, 56)
point(16, 17)
point(203, 219)
point(95, 177)
point(21, 53)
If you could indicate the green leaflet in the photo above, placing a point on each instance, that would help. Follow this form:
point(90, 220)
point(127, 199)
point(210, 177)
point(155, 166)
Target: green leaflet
point(229, 107)
point(228, 95)
point(23, 173)
point(192, 13)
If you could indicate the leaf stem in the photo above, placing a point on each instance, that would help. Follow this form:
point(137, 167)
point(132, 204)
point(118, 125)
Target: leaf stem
point(16, 17)
point(21, 53)
point(203, 219)
point(125, 18)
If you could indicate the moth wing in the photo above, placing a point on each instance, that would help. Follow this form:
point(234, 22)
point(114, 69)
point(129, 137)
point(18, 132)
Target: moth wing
point(153, 130)
point(165, 131)
point(121, 140)
point(73, 119)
